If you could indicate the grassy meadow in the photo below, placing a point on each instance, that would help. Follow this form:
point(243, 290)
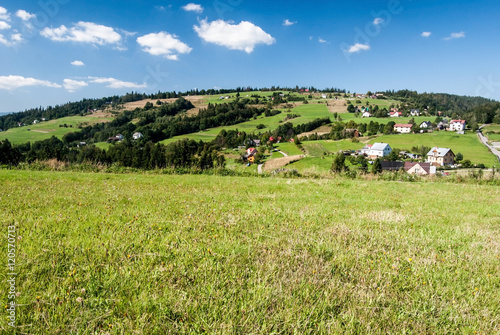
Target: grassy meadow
point(492, 128)
point(167, 254)
point(45, 130)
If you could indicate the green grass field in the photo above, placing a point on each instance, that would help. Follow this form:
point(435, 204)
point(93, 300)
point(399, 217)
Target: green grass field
point(159, 254)
point(492, 137)
point(45, 130)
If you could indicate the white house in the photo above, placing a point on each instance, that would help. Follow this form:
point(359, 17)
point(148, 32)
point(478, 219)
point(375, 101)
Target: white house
point(323, 96)
point(366, 114)
point(404, 128)
point(379, 150)
point(395, 114)
point(457, 125)
point(421, 169)
point(415, 112)
point(35, 121)
point(137, 136)
point(426, 125)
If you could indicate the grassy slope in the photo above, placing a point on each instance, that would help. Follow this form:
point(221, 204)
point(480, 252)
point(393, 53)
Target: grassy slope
point(308, 113)
point(45, 130)
point(493, 137)
point(157, 254)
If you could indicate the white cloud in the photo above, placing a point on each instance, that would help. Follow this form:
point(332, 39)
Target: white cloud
point(77, 63)
point(191, 7)
point(243, 36)
point(289, 23)
point(16, 37)
point(4, 41)
point(455, 36)
point(73, 85)
point(163, 44)
point(24, 15)
point(4, 15)
point(320, 40)
point(378, 21)
point(84, 32)
point(426, 34)
point(13, 82)
point(115, 83)
point(358, 47)
point(4, 25)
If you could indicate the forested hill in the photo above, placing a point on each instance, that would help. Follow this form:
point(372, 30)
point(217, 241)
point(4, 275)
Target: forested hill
point(474, 109)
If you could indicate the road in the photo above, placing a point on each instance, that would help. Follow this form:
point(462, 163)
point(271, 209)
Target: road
point(484, 140)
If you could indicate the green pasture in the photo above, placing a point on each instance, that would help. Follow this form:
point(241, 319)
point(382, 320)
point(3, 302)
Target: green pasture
point(167, 254)
point(45, 130)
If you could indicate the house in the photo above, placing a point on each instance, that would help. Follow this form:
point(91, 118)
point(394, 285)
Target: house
point(251, 152)
point(116, 138)
point(443, 124)
point(395, 114)
point(426, 125)
point(365, 150)
point(43, 119)
point(441, 156)
point(253, 143)
point(35, 121)
point(402, 128)
point(379, 150)
point(415, 112)
point(457, 125)
point(366, 114)
point(391, 166)
point(323, 96)
point(418, 168)
point(137, 136)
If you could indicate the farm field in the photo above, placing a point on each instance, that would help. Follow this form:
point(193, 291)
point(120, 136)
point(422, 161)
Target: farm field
point(155, 254)
point(45, 130)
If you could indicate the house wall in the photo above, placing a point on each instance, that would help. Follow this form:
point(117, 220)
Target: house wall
point(403, 129)
point(418, 170)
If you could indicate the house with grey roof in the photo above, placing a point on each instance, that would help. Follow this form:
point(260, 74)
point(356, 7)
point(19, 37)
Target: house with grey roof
point(440, 156)
point(379, 150)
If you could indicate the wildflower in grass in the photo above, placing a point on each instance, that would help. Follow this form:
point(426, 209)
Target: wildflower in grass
point(410, 259)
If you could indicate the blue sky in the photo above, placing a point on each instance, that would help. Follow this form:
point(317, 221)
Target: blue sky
point(54, 51)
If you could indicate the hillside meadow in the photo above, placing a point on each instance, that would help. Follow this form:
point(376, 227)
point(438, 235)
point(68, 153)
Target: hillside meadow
point(45, 130)
point(167, 254)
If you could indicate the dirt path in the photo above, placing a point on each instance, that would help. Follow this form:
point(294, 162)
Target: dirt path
point(259, 168)
point(277, 163)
